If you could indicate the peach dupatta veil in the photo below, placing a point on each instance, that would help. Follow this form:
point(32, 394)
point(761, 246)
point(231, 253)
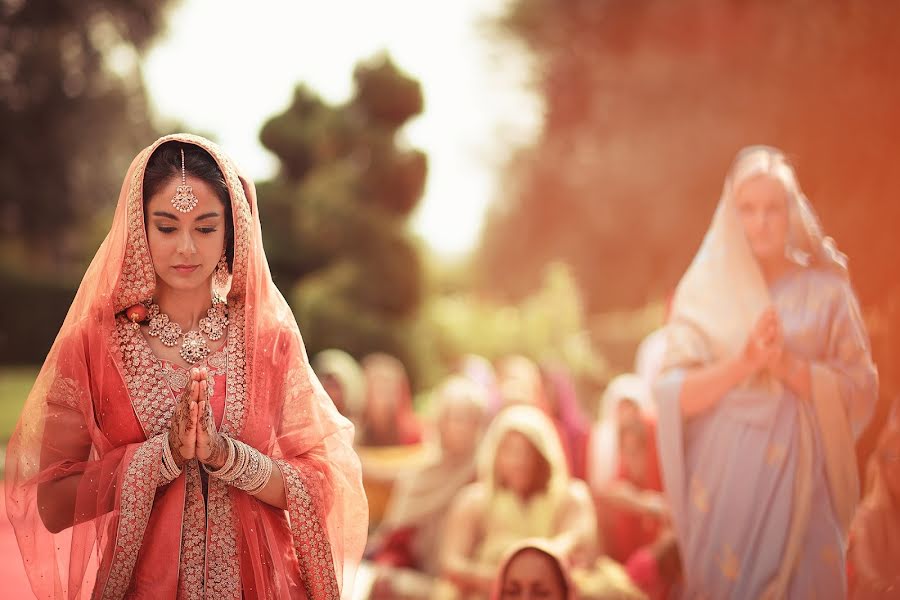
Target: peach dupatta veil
point(83, 464)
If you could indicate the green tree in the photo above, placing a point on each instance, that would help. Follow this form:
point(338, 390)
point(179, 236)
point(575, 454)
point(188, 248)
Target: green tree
point(73, 110)
point(336, 214)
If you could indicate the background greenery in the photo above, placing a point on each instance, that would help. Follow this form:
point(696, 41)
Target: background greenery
point(645, 104)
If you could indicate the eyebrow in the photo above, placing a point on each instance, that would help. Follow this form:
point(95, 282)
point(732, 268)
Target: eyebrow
point(168, 215)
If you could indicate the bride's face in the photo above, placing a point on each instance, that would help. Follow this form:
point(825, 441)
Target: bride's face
point(761, 203)
point(185, 247)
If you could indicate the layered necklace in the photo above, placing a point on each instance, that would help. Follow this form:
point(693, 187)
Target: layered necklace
point(194, 347)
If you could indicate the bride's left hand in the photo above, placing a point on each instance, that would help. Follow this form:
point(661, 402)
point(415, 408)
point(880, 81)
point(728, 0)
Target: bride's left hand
point(211, 447)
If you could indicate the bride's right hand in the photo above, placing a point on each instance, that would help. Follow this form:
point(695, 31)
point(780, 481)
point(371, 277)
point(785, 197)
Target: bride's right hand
point(183, 426)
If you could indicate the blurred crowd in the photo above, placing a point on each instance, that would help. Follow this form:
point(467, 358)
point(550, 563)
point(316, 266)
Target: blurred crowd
point(506, 459)
point(505, 486)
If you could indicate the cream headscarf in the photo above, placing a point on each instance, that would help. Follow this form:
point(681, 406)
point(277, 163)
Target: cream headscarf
point(718, 301)
point(723, 292)
point(509, 520)
point(603, 452)
point(349, 374)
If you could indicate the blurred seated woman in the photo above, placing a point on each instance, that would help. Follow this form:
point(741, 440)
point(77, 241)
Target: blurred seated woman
point(875, 547)
point(627, 487)
point(521, 382)
point(389, 416)
point(523, 491)
point(409, 535)
point(533, 570)
point(624, 471)
point(343, 380)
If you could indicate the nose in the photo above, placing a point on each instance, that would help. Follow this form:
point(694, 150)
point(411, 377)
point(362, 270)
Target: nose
point(186, 246)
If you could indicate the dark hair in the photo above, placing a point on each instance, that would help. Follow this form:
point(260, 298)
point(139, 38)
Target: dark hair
point(165, 163)
point(558, 568)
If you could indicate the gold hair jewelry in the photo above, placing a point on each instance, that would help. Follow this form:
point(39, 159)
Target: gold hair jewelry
point(193, 343)
point(184, 200)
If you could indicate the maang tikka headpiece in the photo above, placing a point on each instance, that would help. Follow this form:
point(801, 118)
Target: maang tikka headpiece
point(184, 200)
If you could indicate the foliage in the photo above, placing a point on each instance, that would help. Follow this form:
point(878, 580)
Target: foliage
point(335, 217)
point(548, 325)
point(72, 111)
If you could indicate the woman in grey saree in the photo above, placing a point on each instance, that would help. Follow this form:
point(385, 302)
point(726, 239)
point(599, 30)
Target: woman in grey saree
point(768, 379)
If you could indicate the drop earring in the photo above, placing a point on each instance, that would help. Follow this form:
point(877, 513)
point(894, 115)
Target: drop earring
point(220, 278)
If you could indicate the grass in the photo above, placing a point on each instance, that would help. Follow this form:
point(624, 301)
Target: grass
point(15, 383)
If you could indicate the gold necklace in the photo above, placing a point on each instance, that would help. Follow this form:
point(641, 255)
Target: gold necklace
point(193, 343)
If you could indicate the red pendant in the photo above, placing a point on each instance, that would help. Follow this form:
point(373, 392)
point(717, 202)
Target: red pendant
point(137, 313)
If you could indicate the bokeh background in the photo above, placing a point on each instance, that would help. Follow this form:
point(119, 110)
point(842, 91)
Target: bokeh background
point(442, 178)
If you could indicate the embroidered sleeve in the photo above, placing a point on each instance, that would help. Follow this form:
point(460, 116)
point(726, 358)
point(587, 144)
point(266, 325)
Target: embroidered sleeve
point(310, 535)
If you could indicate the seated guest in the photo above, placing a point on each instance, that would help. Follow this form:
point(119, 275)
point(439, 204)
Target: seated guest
point(523, 491)
point(410, 533)
point(343, 380)
point(533, 570)
point(389, 416)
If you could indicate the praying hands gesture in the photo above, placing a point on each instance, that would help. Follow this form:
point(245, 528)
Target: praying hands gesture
point(765, 344)
point(192, 431)
point(193, 434)
point(765, 350)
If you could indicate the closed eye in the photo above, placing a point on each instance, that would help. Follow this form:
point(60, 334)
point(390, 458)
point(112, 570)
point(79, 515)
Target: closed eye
point(206, 229)
point(165, 229)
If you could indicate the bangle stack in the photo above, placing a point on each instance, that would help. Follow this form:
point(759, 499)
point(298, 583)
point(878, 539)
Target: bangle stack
point(246, 468)
point(170, 469)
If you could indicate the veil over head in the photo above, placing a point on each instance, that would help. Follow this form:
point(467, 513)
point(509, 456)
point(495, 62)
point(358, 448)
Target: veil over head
point(82, 465)
point(723, 293)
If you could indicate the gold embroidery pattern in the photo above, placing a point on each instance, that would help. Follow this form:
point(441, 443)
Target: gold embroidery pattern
point(151, 397)
point(138, 278)
point(310, 536)
point(236, 375)
point(175, 377)
point(217, 360)
point(138, 491)
point(222, 559)
point(64, 392)
point(193, 536)
point(223, 572)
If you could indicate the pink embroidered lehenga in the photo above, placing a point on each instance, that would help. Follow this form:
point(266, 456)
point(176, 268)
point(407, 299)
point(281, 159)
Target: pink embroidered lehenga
point(82, 472)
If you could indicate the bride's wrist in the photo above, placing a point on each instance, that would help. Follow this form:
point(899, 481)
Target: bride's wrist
point(175, 449)
point(218, 454)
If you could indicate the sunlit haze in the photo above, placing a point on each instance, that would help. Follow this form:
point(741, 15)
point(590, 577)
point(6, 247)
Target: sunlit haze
point(224, 72)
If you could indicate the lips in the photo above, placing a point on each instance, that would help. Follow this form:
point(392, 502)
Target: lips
point(186, 269)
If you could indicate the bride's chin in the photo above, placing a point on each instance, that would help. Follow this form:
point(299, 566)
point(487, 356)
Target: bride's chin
point(186, 285)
